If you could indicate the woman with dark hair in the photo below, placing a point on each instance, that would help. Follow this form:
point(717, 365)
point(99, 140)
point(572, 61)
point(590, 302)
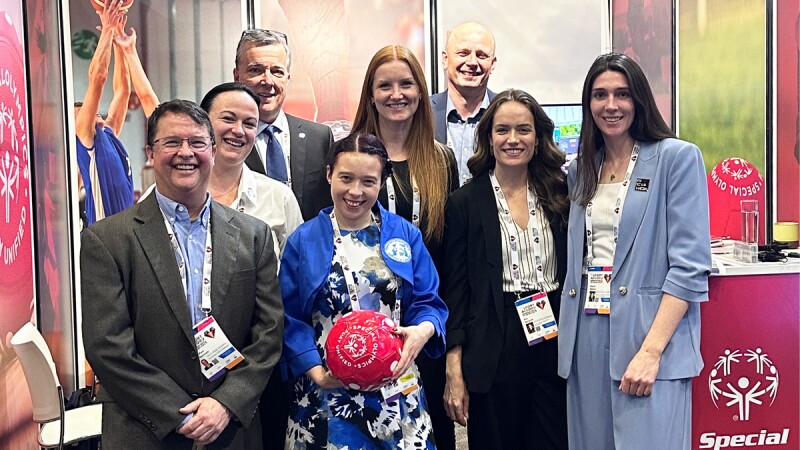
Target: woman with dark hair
point(395, 106)
point(506, 260)
point(639, 258)
point(233, 110)
point(326, 415)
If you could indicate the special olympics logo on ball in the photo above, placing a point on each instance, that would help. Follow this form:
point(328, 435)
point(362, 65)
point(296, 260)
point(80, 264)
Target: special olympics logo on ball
point(736, 381)
point(362, 350)
point(356, 345)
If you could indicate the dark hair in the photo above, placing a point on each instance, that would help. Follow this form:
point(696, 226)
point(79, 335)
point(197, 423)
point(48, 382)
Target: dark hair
point(362, 143)
point(181, 107)
point(548, 181)
point(647, 126)
point(208, 99)
point(258, 38)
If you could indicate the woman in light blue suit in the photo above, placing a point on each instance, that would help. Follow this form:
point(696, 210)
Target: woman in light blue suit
point(638, 243)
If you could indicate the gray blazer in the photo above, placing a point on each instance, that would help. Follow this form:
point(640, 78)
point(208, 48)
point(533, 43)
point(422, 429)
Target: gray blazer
point(310, 143)
point(137, 329)
point(663, 247)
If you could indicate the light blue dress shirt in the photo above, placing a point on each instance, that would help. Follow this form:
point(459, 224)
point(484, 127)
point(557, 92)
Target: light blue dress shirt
point(461, 136)
point(191, 237)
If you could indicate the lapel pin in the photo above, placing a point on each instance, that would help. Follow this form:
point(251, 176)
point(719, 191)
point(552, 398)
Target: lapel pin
point(301, 135)
point(642, 184)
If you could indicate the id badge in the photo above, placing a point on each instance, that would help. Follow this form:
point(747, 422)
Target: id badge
point(537, 318)
point(598, 291)
point(214, 351)
point(404, 385)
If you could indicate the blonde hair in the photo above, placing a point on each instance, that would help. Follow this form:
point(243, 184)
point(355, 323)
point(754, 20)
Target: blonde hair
point(427, 162)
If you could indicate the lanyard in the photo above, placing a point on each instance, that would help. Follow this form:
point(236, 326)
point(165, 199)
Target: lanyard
point(623, 192)
point(505, 214)
point(415, 199)
point(205, 295)
point(352, 290)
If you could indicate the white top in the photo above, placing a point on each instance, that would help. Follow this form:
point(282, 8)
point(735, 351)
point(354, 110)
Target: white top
point(267, 200)
point(270, 201)
point(527, 259)
point(603, 223)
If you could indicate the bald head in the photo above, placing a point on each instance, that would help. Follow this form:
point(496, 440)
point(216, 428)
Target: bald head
point(468, 58)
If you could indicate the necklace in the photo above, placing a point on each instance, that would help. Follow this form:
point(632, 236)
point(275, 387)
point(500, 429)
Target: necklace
point(225, 194)
point(521, 190)
point(616, 169)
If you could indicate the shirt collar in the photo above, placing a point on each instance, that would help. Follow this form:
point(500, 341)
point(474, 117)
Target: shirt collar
point(451, 108)
point(281, 123)
point(247, 188)
point(177, 212)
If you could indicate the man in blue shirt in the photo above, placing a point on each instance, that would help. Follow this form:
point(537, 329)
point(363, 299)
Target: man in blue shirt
point(153, 276)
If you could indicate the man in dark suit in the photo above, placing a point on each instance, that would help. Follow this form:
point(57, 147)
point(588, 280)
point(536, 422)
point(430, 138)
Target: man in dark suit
point(288, 149)
point(468, 59)
point(153, 275)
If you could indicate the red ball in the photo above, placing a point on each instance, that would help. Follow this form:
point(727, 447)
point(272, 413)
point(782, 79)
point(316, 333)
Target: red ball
point(362, 351)
point(729, 182)
point(99, 4)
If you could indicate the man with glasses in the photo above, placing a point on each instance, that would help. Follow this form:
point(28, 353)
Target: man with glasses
point(288, 149)
point(468, 59)
point(170, 282)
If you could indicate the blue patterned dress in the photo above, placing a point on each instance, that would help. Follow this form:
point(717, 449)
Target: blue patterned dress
point(343, 418)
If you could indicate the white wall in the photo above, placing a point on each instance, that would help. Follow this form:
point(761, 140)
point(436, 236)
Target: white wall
point(543, 47)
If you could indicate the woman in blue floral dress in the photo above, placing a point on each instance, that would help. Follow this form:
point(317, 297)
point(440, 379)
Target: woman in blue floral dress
point(390, 269)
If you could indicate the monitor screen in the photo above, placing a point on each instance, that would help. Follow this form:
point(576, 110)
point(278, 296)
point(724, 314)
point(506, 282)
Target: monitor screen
point(567, 119)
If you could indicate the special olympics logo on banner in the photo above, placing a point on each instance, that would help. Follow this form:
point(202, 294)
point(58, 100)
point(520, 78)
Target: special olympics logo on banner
point(14, 172)
point(743, 380)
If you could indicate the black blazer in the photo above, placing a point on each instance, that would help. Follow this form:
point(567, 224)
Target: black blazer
point(310, 143)
point(472, 282)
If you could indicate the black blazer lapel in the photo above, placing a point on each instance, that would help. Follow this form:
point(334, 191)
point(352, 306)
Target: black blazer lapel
point(490, 223)
point(152, 236)
point(297, 160)
point(225, 239)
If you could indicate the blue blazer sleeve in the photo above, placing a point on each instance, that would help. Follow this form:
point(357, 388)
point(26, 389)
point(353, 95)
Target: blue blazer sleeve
point(299, 347)
point(688, 229)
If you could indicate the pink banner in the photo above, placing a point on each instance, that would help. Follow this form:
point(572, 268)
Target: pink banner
point(17, 429)
point(746, 395)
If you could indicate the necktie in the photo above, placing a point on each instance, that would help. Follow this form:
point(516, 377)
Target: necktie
point(276, 164)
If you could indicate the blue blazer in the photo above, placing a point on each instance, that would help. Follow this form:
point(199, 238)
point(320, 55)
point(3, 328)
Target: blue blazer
point(439, 107)
point(663, 247)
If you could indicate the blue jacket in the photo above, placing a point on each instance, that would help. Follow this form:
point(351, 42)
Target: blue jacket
point(306, 264)
point(663, 247)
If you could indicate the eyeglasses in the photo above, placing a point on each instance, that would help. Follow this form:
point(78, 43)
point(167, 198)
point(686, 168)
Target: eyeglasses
point(260, 33)
point(174, 143)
